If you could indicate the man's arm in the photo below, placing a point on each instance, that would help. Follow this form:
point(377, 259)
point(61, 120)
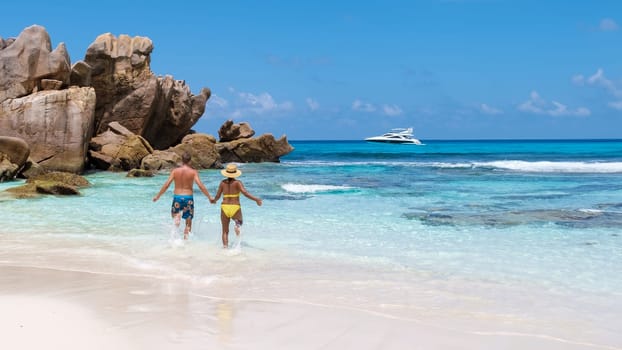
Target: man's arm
point(165, 186)
point(218, 193)
point(197, 179)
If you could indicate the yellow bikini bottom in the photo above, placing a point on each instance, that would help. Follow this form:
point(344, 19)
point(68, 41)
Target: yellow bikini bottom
point(230, 209)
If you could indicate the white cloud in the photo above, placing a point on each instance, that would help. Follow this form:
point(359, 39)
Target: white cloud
point(486, 109)
point(313, 104)
point(392, 111)
point(361, 106)
point(561, 110)
point(537, 105)
point(583, 112)
point(578, 79)
point(616, 105)
point(216, 101)
point(600, 80)
point(608, 25)
point(263, 103)
point(366, 107)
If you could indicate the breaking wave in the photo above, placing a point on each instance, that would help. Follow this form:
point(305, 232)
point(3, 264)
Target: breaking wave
point(555, 167)
point(302, 188)
point(509, 165)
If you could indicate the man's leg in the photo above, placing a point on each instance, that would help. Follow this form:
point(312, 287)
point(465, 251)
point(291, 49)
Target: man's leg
point(176, 216)
point(188, 212)
point(176, 211)
point(188, 228)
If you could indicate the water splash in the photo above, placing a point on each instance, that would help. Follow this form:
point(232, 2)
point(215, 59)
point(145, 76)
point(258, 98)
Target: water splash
point(176, 233)
point(236, 248)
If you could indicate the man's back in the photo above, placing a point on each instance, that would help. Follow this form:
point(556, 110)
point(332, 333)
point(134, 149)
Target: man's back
point(184, 179)
point(183, 201)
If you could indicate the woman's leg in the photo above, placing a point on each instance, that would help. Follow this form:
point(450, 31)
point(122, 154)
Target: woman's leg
point(224, 220)
point(237, 219)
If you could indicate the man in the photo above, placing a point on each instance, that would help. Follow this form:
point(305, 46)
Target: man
point(183, 202)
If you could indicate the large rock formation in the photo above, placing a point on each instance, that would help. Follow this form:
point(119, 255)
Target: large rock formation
point(27, 60)
point(118, 149)
point(237, 145)
point(56, 124)
point(202, 149)
point(8, 170)
point(140, 120)
point(13, 156)
point(15, 148)
point(200, 146)
point(56, 183)
point(264, 148)
point(230, 131)
point(160, 109)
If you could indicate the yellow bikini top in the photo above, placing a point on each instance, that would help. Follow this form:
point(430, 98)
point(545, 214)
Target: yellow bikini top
point(228, 182)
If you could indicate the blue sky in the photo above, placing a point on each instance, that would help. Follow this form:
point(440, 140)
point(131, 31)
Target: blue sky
point(461, 69)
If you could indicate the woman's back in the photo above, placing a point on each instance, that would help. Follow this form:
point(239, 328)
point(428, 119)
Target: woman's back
point(231, 191)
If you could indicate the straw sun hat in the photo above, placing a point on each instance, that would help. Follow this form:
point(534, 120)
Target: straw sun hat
point(231, 171)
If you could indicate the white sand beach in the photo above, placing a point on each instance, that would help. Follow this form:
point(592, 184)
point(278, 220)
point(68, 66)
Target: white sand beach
point(52, 309)
point(38, 322)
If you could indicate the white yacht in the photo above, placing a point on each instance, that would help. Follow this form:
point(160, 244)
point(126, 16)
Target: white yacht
point(399, 135)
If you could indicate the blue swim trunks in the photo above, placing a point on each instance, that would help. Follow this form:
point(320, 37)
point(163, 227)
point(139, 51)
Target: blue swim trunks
point(183, 203)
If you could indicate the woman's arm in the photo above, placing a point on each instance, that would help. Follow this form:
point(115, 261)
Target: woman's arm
point(248, 195)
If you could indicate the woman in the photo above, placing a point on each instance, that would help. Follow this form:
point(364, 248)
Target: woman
point(230, 189)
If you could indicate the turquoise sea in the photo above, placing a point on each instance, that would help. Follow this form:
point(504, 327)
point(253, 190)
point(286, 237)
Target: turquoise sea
point(508, 237)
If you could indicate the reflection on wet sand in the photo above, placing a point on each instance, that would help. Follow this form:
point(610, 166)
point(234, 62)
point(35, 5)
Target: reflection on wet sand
point(224, 315)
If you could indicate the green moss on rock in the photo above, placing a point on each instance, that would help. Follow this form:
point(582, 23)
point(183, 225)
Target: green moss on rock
point(56, 183)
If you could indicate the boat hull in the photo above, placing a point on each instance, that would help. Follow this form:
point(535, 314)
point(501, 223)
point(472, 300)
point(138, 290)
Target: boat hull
point(402, 142)
point(398, 135)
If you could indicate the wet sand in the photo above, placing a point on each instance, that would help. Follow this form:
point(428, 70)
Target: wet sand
point(52, 309)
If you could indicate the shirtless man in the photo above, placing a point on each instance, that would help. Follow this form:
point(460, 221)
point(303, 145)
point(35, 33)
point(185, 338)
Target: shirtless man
point(183, 202)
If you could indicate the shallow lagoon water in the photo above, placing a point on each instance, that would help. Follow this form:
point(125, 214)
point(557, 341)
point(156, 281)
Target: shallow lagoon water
point(520, 237)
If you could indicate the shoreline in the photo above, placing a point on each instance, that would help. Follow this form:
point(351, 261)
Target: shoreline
point(75, 308)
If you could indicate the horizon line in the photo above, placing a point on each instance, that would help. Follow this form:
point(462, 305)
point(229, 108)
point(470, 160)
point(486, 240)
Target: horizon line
point(484, 139)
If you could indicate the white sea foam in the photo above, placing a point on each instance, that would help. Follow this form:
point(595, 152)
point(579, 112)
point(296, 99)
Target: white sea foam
point(514, 165)
point(539, 166)
point(591, 211)
point(449, 165)
point(562, 167)
point(313, 188)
